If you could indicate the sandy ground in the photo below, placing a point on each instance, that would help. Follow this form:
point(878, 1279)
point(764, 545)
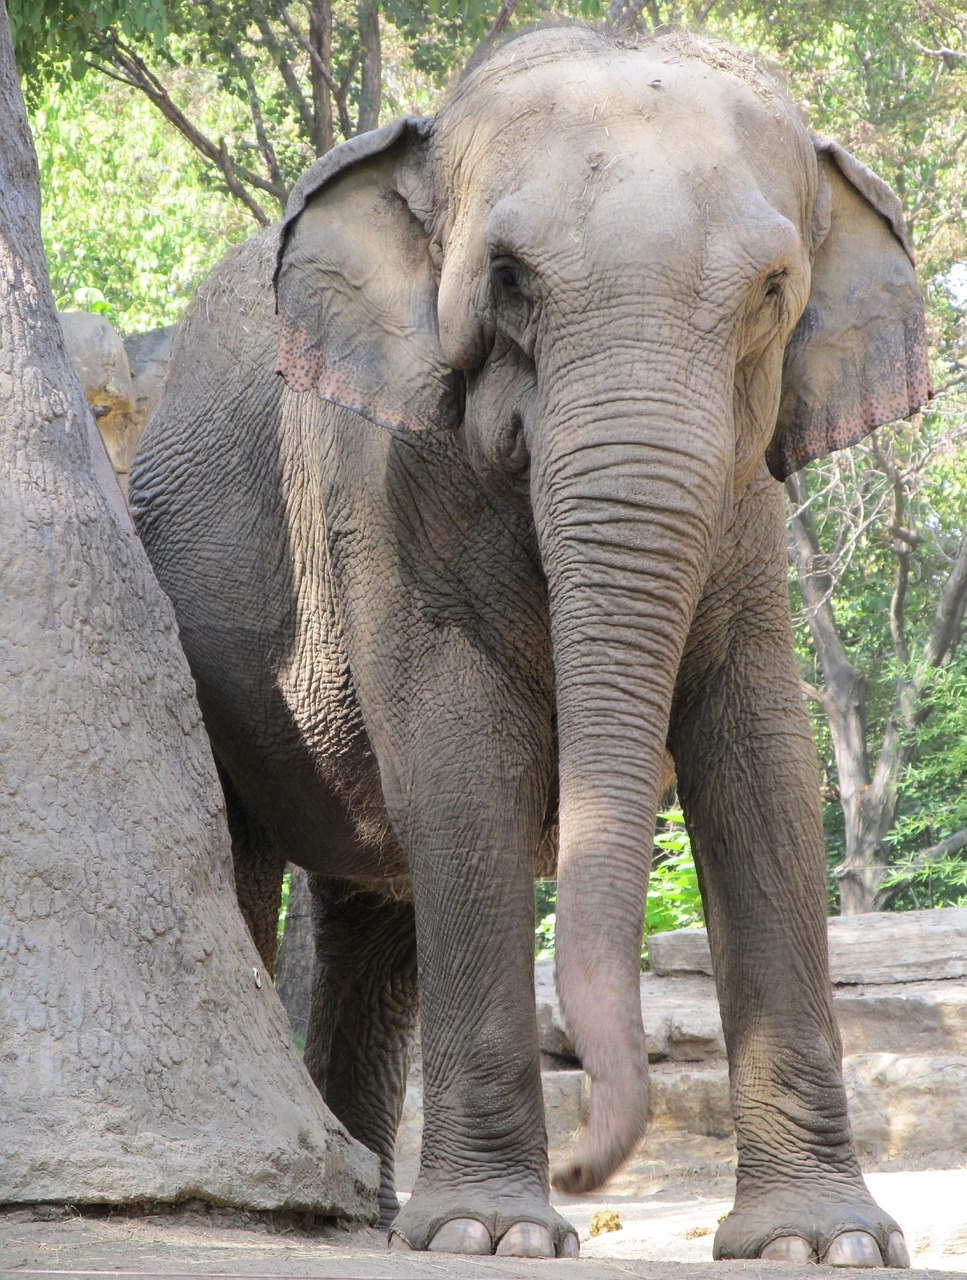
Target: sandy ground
point(664, 1235)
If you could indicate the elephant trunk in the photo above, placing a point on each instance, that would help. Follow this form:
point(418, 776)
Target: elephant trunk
point(627, 514)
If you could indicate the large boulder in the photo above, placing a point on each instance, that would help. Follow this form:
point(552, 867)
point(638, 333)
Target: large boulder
point(121, 380)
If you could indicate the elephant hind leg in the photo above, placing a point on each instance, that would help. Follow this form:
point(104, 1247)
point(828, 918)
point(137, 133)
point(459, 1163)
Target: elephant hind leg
point(363, 1016)
point(259, 867)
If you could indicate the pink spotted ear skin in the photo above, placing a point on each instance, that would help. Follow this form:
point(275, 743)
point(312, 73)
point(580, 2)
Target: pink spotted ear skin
point(300, 362)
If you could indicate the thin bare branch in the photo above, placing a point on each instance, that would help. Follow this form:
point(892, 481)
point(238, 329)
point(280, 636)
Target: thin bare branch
point(121, 63)
point(948, 55)
point(243, 68)
point(948, 624)
point(276, 52)
point(935, 853)
point(500, 22)
point(901, 549)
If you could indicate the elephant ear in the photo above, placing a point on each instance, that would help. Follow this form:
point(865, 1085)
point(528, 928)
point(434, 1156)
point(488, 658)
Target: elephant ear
point(355, 286)
point(858, 356)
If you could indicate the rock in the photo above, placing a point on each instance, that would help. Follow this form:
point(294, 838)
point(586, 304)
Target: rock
point(914, 1018)
point(148, 355)
point(901, 946)
point(693, 1099)
point(566, 1099)
point(883, 947)
point(679, 951)
point(908, 1110)
point(101, 362)
point(121, 380)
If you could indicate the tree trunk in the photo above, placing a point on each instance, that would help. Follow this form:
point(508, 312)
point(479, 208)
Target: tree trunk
point(371, 73)
point(320, 41)
point(141, 1056)
point(862, 870)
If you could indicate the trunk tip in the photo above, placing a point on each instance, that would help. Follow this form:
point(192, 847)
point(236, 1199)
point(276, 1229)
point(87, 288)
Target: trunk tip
point(611, 1137)
point(577, 1177)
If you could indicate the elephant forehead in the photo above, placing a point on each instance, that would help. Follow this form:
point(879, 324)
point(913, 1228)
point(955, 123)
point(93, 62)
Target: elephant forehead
point(662, 118)
point(575, 86)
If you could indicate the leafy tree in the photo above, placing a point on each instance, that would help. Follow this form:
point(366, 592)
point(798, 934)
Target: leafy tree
point(878, 536)
point(879, 545)
point(130, 225)
point(291, 78)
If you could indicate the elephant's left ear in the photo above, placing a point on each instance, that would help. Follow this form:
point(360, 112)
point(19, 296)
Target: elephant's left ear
point(355, 285)
point(858, 356)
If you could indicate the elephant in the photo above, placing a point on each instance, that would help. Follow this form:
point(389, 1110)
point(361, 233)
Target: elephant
point(465, 488)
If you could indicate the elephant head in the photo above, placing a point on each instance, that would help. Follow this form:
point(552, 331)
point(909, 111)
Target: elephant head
point(631, 279)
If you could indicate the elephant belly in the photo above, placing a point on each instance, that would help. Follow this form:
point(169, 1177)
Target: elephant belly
point(300, 764)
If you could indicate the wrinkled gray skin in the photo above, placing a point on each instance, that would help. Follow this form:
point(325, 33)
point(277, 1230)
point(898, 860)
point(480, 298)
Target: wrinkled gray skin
point(506, 531)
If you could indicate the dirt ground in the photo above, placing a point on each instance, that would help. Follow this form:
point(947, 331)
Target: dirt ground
point(666, 1234)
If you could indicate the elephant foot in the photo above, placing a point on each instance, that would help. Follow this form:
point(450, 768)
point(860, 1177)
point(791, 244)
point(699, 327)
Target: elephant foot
point(505, 1224)
point(842, 1229)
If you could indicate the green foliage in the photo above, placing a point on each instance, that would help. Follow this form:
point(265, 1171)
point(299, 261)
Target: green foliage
point(284, 910)
point(674, 900)
point(130, 224)
point(52, 38)
point(908, 479)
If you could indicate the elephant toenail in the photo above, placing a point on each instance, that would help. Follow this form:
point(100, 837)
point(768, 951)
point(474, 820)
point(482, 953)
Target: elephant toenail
point(462, 1235)
point(788, 1249)
point(570, 1248)
point(526, 1240)
point(897, 1253)
point(853, 1249)
point(397, 1244)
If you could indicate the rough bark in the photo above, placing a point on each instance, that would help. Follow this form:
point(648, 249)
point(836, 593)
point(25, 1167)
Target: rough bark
point(140, 1059)
point(371, 71)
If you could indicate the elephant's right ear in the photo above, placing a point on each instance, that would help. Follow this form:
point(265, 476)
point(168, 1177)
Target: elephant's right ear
point(356, 290)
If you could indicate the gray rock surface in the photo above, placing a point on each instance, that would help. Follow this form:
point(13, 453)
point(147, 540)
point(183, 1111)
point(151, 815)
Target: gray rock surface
point(121, 380)
point(148, 355)
point(884, 947)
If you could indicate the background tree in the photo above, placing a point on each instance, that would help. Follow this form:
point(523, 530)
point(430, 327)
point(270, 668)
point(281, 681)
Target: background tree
point(878, 536)
point(292, 78)
point(140, 1058)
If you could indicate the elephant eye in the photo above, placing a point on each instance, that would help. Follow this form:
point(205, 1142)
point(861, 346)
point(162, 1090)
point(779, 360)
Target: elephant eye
point(774, 284)
point(507, 273)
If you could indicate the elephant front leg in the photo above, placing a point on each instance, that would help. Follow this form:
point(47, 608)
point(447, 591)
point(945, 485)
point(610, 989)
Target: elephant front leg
point(748, 783)
point(471, 825)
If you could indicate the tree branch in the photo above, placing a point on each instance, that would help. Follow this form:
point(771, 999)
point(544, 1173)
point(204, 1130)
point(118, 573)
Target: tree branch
point(499, 24)
point(319, 49)
point(844, 698)
point(901, 549)
point(949, 619)
point(277, 53)
point(371, 79)
point(243, 67)
point(943, 849)
point(123, 64)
